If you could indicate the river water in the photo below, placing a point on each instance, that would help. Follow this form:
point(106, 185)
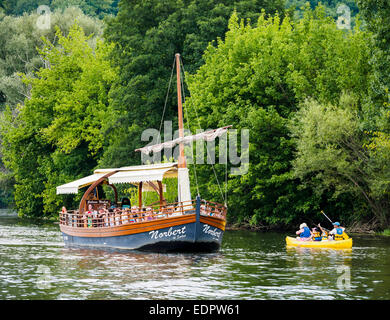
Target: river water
point(35, 264)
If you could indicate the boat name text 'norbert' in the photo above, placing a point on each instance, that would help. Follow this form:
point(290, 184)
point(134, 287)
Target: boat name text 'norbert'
point(214, 233)
point(170, 233)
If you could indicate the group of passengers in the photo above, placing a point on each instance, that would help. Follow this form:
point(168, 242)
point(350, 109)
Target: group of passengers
point(114, 216)
point(211, 211)
point(319, 233)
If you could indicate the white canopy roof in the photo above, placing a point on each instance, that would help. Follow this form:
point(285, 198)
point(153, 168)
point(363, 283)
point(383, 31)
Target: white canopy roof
point(134, 174)
point(73, 187)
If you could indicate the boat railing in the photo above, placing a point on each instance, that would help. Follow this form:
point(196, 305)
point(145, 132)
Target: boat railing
point(117, 216)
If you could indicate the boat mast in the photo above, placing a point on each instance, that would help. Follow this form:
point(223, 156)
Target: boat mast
point(183, 185)
point(182, 159)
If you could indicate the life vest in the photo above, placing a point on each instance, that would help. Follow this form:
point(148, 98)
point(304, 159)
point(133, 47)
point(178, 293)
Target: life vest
point(340, 234)
point(306, 233)
point(89, 219)
point(317, 236)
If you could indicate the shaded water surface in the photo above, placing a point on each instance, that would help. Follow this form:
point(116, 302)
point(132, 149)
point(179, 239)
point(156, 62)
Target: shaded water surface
point(35, 264)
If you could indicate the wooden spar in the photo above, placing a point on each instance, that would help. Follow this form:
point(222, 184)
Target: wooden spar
point(177, 141)
point(182, 159)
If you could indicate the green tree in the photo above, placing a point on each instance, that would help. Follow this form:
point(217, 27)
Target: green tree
point(19, 39)
point(256, 79)
point(332, 152)
point(147, 34)
point(56, 135)
point(95, 8)
point(377, 16)
point(349, 8)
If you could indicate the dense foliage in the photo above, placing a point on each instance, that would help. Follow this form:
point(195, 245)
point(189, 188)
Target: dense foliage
point(267, 70)
point(331, 6)
point(313, 95)
point(19, 39)
point(332, 153)
point(147, 34)
point(95, 8)
point(56, 135)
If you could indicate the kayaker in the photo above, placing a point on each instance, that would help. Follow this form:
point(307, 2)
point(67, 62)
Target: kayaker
point(303, 232)
point(324, 232)
point(338, 232)
point(316, 234)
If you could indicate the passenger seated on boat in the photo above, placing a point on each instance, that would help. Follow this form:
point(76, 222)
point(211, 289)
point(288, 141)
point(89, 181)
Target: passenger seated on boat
point(133, 214)
point(111, 218)
point(125, 216)
point(324, 232)
point(118, 217)
point(105, 217)
point(149, 214)
point(80, 220)
point(95, 218)
point(162, 214)
point(74, 218)
point(141, 215)
point(66, 218)
point(218, 213)
point(169, 210)
point(303, 232)
point(87, 217)
point(338, 232)
point(316, 234)
point(203, 210)
point(102, 217)
point(125, 203)
point(209, 211)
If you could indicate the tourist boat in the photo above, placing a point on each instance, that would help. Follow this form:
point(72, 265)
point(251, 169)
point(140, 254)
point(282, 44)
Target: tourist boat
point(331, 244)
point(187, 225)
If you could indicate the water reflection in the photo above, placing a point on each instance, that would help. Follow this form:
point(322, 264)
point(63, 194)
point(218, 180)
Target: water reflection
point(317, 257)
point(36, 265)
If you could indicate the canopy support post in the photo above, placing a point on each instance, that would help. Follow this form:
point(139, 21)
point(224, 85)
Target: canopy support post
point(161, 190)
point(140, 196)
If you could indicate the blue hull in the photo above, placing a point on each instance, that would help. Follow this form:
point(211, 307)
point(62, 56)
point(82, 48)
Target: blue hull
point(190, 237)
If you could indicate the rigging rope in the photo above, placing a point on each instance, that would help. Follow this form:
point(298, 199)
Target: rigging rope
point(188, 127)
point(207, 151)
point(166, 98)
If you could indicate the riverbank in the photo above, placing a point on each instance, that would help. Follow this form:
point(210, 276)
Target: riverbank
point(366, 228)
point(385, 232)
point(358, 227)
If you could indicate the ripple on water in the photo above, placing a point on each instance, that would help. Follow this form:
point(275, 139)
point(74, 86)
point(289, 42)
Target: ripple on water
point(36, 265)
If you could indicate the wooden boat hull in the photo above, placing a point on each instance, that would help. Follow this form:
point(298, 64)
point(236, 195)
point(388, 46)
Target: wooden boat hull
point(340, 244)
point(186, 233)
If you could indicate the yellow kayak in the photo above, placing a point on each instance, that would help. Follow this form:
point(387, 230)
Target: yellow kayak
point(332, 244)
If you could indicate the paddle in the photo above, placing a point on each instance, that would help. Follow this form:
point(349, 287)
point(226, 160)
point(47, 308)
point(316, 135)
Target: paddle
point(326, 216)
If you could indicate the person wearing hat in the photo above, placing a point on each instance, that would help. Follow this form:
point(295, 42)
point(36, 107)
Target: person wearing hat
point(303, 232)
point(338, 232)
